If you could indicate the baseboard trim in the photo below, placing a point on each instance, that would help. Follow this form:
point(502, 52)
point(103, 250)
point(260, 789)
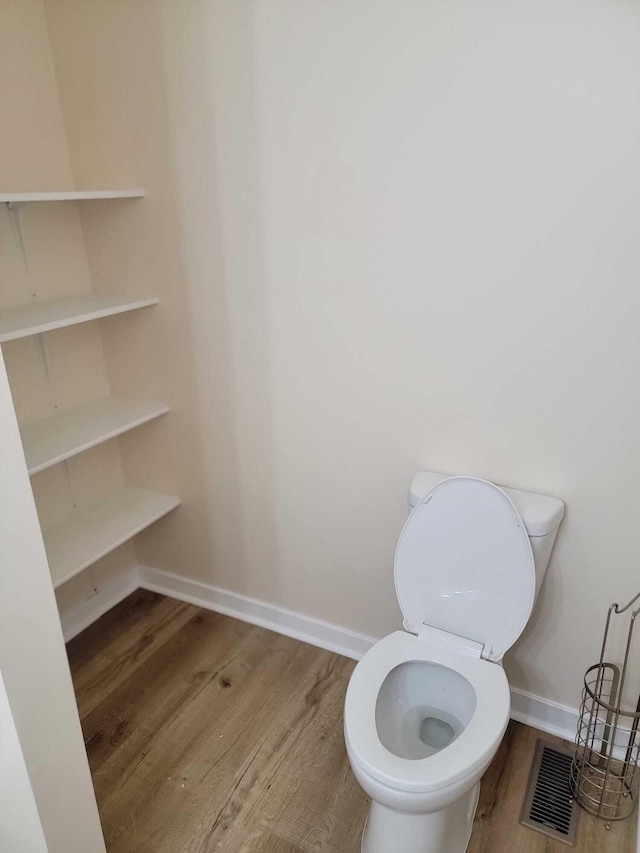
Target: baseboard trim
point(543, 714)
point(305, 628)
point(77, 618)
point(527, 708)
point(535, 711)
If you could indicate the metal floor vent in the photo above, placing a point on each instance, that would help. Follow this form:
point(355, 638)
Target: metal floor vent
point(548, 805)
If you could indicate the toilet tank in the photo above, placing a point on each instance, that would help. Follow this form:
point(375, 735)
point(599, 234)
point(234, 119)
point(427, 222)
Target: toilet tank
point(541, 516)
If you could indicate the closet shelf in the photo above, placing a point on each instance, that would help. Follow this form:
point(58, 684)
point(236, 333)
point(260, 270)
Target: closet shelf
point(92, 532)
point(69, 195)
point(65, 434)
point(45, 315)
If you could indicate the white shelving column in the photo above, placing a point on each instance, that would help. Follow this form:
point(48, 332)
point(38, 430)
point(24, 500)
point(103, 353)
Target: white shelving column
point(91, 531)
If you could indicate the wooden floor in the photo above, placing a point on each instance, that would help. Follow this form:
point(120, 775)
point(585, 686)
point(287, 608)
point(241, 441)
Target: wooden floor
point(205, 733)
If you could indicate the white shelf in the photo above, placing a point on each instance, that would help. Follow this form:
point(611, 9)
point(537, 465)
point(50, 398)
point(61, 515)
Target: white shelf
point(35, 317)
point(92, 532)
point(69, 195)
point(66, 434)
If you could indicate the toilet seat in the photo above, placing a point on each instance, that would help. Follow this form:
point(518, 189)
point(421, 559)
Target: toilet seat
point(471, 749)
point(464, 564)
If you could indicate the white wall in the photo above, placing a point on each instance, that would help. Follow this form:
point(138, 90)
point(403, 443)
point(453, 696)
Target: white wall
point(35, 675)
point(423, 222)
point(20, 827)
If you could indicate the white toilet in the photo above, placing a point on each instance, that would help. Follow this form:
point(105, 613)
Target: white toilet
point(427, 707)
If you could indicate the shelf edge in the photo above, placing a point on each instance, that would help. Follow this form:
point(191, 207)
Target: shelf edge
point(69, 195)
point(161, 409)
point(74, 320)
point(173, 503)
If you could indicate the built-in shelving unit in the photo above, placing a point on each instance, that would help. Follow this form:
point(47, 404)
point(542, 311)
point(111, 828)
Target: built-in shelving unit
point(65, 434)
point(93, 532)
point(69, 195)
point(44, 315)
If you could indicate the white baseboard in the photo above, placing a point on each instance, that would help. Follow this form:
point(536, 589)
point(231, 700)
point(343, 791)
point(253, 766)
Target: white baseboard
point(543, 714)
point(287, 622)
point(535, 711)
point(77, 618)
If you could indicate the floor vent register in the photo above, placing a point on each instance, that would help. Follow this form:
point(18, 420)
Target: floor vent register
point(548, 805)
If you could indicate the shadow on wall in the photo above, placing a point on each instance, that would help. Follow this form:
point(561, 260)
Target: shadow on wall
point(217, 162)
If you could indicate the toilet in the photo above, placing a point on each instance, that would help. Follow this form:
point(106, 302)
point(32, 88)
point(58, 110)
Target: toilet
point(427, 707)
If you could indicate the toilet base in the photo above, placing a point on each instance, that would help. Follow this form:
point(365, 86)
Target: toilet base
point(444, 831)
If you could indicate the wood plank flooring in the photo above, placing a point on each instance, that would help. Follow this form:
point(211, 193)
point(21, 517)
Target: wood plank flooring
point(496, 828)
point(207, 734)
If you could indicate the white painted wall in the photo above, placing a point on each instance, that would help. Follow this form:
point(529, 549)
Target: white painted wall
point(39, 725)
point(20, 827)
point(421, 251)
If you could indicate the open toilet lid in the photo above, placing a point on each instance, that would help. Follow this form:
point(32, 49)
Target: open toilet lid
point(464, 564)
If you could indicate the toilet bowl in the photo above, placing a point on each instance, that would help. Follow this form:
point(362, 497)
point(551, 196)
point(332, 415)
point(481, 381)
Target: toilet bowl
point(427, 707)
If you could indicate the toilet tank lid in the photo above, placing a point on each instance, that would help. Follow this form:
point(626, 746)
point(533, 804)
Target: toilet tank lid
point(541, 514)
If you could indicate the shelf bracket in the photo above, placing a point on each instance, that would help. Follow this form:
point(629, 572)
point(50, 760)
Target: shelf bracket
point(14, 209)
point(44, 351)
point(67, 472)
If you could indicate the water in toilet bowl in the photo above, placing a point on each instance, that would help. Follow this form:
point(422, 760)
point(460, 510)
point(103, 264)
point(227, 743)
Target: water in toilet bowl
point(427, 730)
point(422, 708)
